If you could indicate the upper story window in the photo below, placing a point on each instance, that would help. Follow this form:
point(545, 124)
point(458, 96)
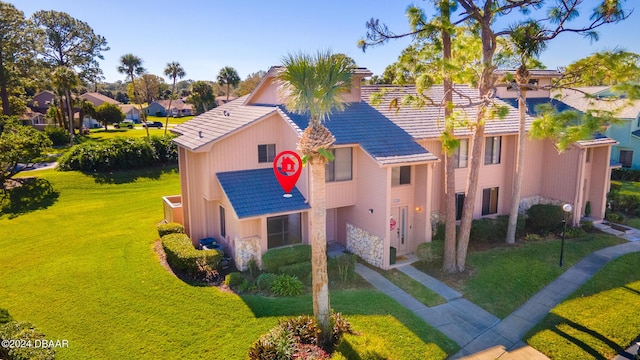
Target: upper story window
point(462, 154)
point(588, 156)
point(266, 153)
point(626, 158)
point(492, 146)
point(340, 169)
point(401, 175)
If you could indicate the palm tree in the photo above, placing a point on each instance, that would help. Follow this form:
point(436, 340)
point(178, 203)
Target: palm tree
point(65, 79)
point(173, 70)
point(228, 76)
point(131, 65)
point(314, 86)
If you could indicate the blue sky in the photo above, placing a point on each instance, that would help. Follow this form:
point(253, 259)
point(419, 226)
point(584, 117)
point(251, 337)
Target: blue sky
point(206, 35)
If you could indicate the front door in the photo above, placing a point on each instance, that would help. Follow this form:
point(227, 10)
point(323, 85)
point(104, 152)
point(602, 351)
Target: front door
point(398, 227)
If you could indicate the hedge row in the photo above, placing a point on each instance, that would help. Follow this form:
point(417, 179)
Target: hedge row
point(119, 154)
point(182, 255)
point(273, 259)
point(625, 175)
point(25, 333)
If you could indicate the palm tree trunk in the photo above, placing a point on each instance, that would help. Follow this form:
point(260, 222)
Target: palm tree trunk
point(4, 94)
point(517, 186)
point(70, 109)
point(228, 91)
point(173, 90)
point(320, 280)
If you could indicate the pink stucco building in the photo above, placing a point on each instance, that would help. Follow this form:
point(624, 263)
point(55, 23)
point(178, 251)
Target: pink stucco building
point(385, 187)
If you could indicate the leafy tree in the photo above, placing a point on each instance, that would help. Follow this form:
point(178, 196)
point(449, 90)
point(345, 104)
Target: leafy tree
point(202, 96)
point(481, 15)
point(314, 85)
point(131, 65)
point(109, 113)
point(70, 44)
point(247, 85)
point(148, 87)
point(228, 76)
point(173, 70)
point(19, 144)
point(122, 97)
point(18, 45)
point(604, 68)
point(86, 109)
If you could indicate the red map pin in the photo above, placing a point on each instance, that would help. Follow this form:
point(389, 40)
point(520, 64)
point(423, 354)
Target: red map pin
point(287, 166)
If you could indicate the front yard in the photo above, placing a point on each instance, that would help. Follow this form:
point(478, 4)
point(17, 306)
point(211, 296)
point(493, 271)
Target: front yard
point(80, 266)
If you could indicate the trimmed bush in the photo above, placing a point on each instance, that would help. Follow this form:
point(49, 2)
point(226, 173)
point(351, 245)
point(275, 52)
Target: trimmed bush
point(544, 219)
point(234, 279)
point(273, 259)
point(587, 225)
point(183, 256)
point(626, 203)
point(265, 281)
point(246, 287)
point(614, 217)
point(575, 233)
point(4, 316)
point(170, 228)
point(58, 136)
point(299, 270)
point(119, 153)
point(625, 175)
point(16, 330)
point(494, 230)
point(342, 268)
point(286, 285)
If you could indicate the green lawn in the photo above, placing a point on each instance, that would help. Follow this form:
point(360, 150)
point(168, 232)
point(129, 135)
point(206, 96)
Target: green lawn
point(598, 320)
point(418, 291)
point(501, 279)
point(77, 261)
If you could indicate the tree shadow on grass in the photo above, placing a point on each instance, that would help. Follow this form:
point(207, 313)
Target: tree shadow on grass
point(27, 195)
point(129, 176)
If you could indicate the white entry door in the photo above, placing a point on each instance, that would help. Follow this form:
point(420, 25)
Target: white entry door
point(398, 227)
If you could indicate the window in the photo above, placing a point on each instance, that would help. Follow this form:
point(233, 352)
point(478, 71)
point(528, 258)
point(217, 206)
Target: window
point(284, 230)
point(266, 153)
point(401, 175)
point(490, 201)
point(340, 168)
point(492, 146)
point(462, 154)
point(223, 223)
point(626, 158)
point(588, 155)
point(459, 205)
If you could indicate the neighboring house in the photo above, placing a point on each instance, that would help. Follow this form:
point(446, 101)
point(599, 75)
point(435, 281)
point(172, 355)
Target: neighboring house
point(384, 190)
point(131, 112)
point(35, 119)
point(98, 99)
point(42, 100)
point(179, 108)
point(221, 100)
point(626, 131)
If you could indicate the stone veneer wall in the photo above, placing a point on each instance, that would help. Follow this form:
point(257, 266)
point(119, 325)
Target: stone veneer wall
point(245, 250)
point(368, 246)
point(527, 203)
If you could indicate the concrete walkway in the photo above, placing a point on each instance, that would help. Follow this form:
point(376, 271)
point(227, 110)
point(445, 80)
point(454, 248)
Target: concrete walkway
point(480, 334)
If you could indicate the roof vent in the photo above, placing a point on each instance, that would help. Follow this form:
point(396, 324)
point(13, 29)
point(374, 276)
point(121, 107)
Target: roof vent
point(200, 134)
point(226, 113)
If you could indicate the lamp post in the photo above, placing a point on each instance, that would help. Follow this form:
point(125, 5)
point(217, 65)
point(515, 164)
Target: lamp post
point(567, 209)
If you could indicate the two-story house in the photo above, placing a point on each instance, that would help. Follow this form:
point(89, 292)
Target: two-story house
point(385, 186)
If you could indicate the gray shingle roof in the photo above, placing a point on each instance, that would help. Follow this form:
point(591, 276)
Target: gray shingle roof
point(218, 123)
point(361, 124)
point(257, 192)
point(427, 122)
point(629, 109)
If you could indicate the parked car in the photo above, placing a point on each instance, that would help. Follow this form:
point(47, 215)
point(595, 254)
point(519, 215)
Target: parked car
point(156, 124)
point(125, 123)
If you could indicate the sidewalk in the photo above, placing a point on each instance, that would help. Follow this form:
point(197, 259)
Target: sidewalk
point(480, 334)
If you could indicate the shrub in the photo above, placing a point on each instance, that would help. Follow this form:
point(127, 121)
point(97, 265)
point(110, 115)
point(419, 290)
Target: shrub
point(425, 253)
point(15, 330)
point(254, 270)
point(234, 279)
point(246, 287)
point(286, 285)
point(625, 175)
point(300, 270)
point(575, 233)
point(265, 281)
point(533, 237)
point(614, 217)
point(170, 228)
point(545, 218)
point(183, 256)
point(439, 232)
point(4, 316)
point(342, 268)
point(58, 136)
point(494, 230)
point(587, 225)
point(626, 203)
point(297, 338)
point(587, 208)
point(119, 153)
point(273, 259)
